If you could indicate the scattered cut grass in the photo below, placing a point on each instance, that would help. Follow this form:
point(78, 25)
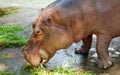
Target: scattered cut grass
point(9, 36)
point(54, 71)
point(7, 11)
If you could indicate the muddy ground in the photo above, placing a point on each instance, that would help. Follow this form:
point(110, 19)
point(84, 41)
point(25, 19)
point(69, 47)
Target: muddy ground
point(27, 13)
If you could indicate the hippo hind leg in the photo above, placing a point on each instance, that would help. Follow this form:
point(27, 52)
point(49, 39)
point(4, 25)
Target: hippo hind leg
point(102, 45)
point(86, 46)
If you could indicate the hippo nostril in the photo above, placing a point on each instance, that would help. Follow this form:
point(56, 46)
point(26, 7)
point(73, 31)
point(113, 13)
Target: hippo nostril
point(38, 32)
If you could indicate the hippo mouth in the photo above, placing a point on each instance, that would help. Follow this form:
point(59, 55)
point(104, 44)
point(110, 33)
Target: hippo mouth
point(44, 55)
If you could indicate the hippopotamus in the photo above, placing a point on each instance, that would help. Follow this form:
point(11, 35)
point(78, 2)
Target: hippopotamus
point(66, 21)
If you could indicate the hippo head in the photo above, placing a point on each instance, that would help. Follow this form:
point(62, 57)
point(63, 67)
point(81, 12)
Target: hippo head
point(47, 37)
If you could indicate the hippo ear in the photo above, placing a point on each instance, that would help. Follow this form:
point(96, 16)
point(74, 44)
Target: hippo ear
point(41, 9)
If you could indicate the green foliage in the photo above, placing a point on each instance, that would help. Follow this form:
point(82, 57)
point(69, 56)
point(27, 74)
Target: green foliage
point(9, 36)
point(54, 71)
point(6, 73)
point(5, 56)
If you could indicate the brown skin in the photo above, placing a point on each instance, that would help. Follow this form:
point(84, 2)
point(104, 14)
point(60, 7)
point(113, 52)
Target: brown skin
point(66, 21)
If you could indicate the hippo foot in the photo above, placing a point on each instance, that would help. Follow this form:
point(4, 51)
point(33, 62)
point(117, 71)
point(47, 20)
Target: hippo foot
point(81, 51)
point(104, 64)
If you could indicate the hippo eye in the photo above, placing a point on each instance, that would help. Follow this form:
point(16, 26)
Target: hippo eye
point(47, 21)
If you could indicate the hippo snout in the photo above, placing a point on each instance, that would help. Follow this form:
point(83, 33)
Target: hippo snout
point(33, 58)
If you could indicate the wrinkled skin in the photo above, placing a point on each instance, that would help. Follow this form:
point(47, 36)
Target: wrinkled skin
point(66, 21)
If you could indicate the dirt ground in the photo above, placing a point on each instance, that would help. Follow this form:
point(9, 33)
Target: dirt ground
point(28, 12)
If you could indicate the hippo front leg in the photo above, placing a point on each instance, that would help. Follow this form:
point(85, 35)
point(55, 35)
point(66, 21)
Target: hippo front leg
point(103, 42)
point(86, 46)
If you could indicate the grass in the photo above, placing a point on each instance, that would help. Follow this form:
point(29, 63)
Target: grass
point(7, 11)
point(9, 36)
point(5, 56)
point(7, 73)
point(28, 70)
